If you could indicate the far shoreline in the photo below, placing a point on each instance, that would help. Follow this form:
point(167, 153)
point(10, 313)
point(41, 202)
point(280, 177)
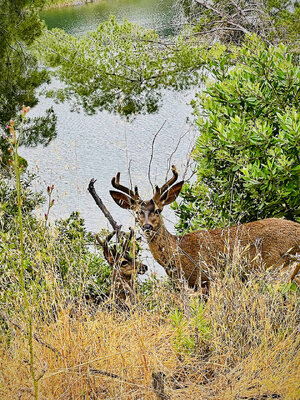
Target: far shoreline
point(70, 3)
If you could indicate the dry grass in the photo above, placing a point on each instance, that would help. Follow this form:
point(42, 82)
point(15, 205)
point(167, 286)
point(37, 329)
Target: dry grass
point(251, 351)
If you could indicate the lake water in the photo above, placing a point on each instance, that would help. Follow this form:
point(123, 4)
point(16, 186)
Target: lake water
point(98, 146)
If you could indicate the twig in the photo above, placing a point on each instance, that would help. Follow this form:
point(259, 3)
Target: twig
point(152, 149)
point(35, 336)
point(174, 151)
point(97, 371)
point(102, 207)
point(225, 17)
point(158, 385)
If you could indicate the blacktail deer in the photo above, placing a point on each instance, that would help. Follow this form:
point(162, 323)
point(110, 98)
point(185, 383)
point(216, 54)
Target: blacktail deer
point(194, 256)
point(124, 263)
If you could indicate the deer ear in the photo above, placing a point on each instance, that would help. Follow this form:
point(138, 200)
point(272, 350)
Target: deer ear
point(122, 200)
point(170, 195)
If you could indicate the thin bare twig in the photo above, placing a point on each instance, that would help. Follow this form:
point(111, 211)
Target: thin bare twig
point(169, 160)
point(152, 151)
point(35, 336)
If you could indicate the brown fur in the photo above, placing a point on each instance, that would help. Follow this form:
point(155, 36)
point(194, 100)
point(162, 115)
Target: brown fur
point(267, 243)
point(124, 269)
point(195, 256)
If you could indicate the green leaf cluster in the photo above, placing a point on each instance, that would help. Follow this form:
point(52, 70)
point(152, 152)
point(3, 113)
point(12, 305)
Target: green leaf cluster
point(8, 205)
point(248, 151)
point(20, 73)
point(59, 263)
point(120, 68)
point(189, 332)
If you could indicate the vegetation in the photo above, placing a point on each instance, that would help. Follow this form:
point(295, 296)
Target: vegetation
point(274, 21)
point(248, 153)
point(60, 334)
point(121, 68)
point(63, 3)
point(242, 344)
point(20, 74)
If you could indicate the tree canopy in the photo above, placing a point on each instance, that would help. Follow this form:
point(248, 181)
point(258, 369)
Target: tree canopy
point(20, 74)
point(121, 68)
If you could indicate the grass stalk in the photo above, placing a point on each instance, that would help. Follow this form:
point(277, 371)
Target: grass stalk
point(21, 270)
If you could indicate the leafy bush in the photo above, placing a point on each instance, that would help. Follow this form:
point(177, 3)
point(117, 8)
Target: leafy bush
point(83, 271)
point(248, 152)
point(60, 262)
point(188, 331)
point(8, 204)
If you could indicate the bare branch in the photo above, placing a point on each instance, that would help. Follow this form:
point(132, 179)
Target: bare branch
point(152, 151)
point(102, 207)
point(174, 151)
point(222, 15)
point(35, 336)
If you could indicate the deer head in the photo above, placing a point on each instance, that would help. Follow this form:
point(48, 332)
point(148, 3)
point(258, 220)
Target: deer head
point(148, 212)
point(121, 258)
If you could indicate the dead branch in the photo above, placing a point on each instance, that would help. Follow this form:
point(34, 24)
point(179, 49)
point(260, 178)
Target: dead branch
point(102, 207)
point(35, 336)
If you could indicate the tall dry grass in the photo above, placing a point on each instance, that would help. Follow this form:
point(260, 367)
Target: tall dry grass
point(243, 344)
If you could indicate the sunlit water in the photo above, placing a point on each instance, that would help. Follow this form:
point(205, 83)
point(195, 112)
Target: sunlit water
point(162, 15)
point(98, 146)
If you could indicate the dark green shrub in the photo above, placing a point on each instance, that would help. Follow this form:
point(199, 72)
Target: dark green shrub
point(248, 151)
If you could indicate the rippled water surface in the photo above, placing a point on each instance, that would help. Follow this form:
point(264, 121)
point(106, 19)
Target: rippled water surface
point(162, 15)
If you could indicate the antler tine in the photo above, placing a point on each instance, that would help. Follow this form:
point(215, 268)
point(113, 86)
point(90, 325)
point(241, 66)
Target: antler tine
point(127, 238)
point(159, 191)
point(104, 242)
point(116, 184)
point(109, 236)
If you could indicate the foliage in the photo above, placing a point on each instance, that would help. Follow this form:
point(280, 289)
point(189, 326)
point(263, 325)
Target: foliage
point(251, 351)
point(20, 73)
point(189, 333)
point(8, 207)
point(63, 252)
point(62, 3)
point(274, 21)
point(60, 264)
point(248, 151)
point(83, 271)
point(119, 67)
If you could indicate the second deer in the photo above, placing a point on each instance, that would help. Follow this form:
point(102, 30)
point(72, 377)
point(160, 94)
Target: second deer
point(125, 266)
point(268, 243)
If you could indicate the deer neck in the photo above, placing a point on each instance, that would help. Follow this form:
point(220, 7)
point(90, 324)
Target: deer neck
point(162, 245)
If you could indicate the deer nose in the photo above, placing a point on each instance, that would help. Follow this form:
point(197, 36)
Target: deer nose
point(147, 227)
point(143, 268)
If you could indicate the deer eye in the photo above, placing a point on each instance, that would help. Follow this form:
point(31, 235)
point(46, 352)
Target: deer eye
point(124, 262)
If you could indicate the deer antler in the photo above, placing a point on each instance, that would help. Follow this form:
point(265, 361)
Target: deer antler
point(106, 240)
point(160, 191)
point(116, 184)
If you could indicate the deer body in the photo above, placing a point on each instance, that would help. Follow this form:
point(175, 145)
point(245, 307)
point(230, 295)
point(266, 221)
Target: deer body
point(195, 254)
point(267, 243)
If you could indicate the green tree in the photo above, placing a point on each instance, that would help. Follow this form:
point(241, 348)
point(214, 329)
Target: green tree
point(20, 74)
point(248, 152)
point(121, 68)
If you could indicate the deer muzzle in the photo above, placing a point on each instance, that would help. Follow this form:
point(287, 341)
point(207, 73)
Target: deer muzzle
point(147, 227)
